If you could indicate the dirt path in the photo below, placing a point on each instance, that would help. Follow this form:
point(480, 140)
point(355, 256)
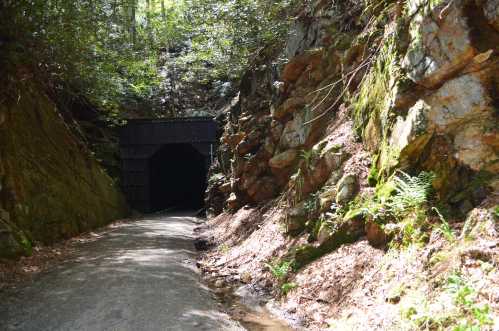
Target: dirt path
point(138, 276)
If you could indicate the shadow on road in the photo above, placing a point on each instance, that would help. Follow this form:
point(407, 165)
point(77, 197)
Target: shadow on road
point(137, 276)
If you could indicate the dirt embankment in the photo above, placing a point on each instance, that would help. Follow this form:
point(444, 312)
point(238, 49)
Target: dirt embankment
point(357, 286)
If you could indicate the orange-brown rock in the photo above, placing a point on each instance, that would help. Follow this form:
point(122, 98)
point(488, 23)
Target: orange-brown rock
point(232, 202)
point(283, 160)
point(234, 139)
point(262, 189)
point(375, 234)
point(296, 66)
point(249, 143)
point(289, 107)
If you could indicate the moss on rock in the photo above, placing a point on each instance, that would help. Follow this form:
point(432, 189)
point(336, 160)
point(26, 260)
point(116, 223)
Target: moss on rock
point(341, 232)
point(51, 185)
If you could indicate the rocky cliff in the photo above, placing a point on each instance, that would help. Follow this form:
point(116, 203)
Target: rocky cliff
point(51, 187)
point(418, 82)
point(375, 120)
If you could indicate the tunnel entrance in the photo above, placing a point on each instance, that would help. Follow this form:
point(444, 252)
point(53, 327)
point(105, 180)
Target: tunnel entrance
point(164, 162)
point(177, 178)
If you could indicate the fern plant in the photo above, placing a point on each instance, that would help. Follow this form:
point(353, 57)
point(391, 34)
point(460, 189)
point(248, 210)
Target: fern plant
point(409, 205)
point(308, 156)
point(280, 270)
point(411, 193)
point(287, 287)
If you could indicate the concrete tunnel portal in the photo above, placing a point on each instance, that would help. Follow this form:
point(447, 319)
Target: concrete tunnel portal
point(165, 162)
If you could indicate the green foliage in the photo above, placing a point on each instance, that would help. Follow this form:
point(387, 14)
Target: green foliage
point(297, 181)
point(103, 49)
point(224, 248)
point(27, 245)
point(371, 99)
point(372, 178)
point(112, 51)
point(472, 315)
point(408, 205)
point(461, 309)
point(225, 33)
point(411, 193)
point(312, 204)
point(280, 270)
point(287, 287)
point(308, 156)
point(404, 200)
point(403, 196)
point(444, 228)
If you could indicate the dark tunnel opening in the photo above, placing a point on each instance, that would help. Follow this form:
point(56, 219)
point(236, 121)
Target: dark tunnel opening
point(177, 178)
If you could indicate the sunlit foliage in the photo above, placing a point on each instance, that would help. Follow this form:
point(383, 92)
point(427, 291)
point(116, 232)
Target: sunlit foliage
point(109, 50)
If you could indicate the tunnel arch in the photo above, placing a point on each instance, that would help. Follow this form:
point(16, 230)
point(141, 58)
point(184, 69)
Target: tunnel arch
point(145, 145)
point(177, 174)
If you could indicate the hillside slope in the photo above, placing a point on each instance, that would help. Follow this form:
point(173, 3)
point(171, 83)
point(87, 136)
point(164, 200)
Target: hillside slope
point(358, 170)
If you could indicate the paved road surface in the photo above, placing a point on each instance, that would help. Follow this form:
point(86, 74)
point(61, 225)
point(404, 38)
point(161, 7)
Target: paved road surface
point(138, 276)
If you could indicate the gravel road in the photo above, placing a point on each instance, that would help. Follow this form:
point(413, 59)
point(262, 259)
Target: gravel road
point(135, 276)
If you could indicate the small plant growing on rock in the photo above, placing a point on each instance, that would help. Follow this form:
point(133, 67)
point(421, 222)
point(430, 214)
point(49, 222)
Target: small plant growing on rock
point(312, 203)
point(496, 211)
point(280, 271)
point(224, 248)
point(403, 203)
point(472, 315)
point(297, 181)
point(307, 157)
point(457, 308)
point(286, 287)
point(409, 205)
point(444, 228)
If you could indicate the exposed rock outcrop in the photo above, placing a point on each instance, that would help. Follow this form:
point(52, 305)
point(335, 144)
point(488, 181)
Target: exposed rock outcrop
point(51, 187)
point(371, 94)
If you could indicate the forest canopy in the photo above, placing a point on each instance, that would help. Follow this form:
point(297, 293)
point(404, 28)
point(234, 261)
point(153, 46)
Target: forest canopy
point(112, 51)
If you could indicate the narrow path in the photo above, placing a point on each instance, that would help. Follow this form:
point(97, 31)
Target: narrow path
point(138, 276)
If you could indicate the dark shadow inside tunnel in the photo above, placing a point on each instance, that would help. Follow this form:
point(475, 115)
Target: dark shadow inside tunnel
point(177, 177)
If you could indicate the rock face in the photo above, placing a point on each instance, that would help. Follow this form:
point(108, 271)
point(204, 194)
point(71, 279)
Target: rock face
point(13, 243)
point(450, 126)
point(425, 100)
point(491, 11)
point(376, 104)
point(346, 188)
point(441, 44)
point(283, 160)
point(50, 186)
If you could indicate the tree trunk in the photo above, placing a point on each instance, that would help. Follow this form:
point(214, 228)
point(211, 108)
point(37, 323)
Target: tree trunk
point(133, 22)
point(163, 10)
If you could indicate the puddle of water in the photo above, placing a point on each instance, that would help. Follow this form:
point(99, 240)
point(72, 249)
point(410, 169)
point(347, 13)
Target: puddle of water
point(252, 314)
point(262, 322)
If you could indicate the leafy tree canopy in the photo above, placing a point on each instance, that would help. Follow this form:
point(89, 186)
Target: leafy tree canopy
point(110, 50)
